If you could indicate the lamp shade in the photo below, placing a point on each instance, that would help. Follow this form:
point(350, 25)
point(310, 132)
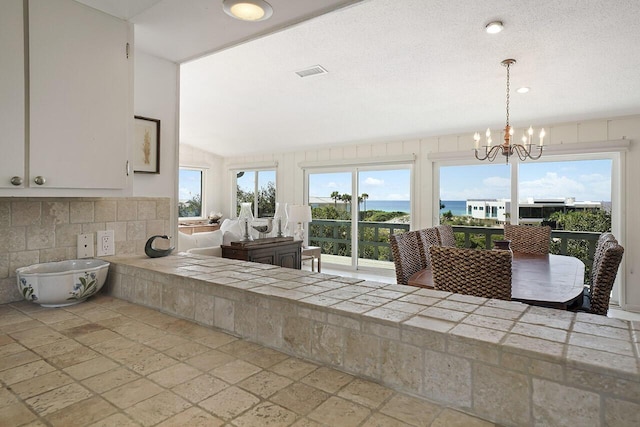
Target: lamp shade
point(299, 213)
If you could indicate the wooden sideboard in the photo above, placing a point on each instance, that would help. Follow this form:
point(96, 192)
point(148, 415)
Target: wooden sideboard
point(281, 251)
point(197, 228)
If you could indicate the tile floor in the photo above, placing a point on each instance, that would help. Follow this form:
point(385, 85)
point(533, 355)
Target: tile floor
point(107, 362)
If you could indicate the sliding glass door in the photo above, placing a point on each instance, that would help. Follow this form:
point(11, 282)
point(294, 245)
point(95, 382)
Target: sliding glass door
point(384, 208)
point(355, 210)
point(329, 195)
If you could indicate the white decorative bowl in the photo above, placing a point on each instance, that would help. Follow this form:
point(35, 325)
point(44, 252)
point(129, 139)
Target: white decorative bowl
point(62, 283)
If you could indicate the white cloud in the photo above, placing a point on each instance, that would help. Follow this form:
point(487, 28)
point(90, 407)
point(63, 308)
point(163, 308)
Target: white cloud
point(184, 194)
point(588, 187)
point(496, 182)
point(374, 181)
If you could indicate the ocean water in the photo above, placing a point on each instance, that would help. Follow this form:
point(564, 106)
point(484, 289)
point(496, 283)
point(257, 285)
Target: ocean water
point(387, 205)
point(457, 207)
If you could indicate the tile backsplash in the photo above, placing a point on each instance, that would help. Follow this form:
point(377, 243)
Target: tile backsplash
point(34, 230)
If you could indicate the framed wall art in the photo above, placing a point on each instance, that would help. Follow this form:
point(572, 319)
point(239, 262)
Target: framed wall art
point(146, 146)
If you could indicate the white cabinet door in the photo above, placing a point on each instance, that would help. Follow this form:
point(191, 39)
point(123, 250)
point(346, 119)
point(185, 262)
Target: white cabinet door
point(12, 95)
point(79, 97)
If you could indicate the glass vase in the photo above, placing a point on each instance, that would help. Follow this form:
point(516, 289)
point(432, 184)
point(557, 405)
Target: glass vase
point(280, 219)
point(245, 218)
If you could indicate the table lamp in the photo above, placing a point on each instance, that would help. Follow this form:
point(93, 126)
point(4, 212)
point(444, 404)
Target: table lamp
point(299, 214)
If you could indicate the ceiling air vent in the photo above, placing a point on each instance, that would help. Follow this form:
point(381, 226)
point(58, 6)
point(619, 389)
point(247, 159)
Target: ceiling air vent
point(311, 71)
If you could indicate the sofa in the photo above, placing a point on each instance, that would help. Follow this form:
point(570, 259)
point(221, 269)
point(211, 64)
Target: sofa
point(208, 243)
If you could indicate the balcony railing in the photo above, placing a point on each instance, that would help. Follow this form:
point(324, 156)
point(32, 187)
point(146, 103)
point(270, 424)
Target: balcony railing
point(334, 237)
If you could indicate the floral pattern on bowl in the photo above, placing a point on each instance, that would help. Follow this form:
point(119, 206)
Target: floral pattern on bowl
point(62, 283)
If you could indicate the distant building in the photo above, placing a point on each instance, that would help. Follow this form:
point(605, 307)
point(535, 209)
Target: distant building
point(317, 202)
point(495, 209)
point(531, 211)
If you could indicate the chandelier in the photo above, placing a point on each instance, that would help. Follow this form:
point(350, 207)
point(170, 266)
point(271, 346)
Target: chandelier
point(524, 151)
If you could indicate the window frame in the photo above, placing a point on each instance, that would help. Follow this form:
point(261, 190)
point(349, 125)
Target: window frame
point(234, 183)
point(203, 192)
point(618, 164)
point(354, 168)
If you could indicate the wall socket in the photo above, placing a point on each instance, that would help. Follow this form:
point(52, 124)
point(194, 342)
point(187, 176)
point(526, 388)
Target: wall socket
point(106, 243)
point(85, 245)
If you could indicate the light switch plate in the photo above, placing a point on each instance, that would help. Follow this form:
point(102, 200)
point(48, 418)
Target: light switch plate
point(85, 245)
point(105, 243)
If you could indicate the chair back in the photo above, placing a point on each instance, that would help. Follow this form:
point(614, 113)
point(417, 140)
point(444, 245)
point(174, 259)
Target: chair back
point(428, 238)
point(407, 257)
point(528, 238)
point(482, 273)
point(599, 253)
point(605, 268)
point(446, 236)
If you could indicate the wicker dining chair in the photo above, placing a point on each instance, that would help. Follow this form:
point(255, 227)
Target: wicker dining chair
point(428, 238)
point(446, 236)
point(407, 256)
point(482, 273)
point(528, 239)
point(599, 253)
point(606, 261)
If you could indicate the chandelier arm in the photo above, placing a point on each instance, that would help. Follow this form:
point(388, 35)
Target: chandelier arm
point(481, 158)
point(539, 154)
point(493, 152)
point(521, 151)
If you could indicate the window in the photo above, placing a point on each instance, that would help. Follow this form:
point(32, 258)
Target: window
point(577, 196)
point(545, 190)
point(355, 209)
point(190, 184)
point(474, 194)
point(259, 188)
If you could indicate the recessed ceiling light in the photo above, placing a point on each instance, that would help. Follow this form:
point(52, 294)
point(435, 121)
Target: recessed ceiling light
point(494, 27)
point(248, 10)
point(523, 89)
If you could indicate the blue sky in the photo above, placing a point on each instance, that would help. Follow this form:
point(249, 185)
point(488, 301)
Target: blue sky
point(189, 184)
point(586, 180)
point(379, 185)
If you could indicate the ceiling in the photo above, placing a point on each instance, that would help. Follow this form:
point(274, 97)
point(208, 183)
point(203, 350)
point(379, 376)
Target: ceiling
point(396, 69)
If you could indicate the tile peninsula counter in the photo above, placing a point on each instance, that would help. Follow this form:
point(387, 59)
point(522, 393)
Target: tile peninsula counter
point(507, 362)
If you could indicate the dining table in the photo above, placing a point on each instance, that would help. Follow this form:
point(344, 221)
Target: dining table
point(547, 280)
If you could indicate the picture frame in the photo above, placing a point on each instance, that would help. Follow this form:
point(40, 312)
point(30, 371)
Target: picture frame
point(146, 145)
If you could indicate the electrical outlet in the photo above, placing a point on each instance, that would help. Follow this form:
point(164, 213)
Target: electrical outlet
point(106, 243)
point(85, 245)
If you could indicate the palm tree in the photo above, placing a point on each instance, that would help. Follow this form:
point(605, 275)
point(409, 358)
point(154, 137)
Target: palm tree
point(364, 197)
point(335, 196)
point(346, 198)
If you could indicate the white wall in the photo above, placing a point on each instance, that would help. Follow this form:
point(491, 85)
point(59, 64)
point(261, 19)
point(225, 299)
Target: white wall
point(156, 96)
point(290, 177)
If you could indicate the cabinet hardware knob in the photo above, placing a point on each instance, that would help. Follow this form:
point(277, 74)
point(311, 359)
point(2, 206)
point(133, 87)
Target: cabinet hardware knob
point(16, 180)
point(39, 180)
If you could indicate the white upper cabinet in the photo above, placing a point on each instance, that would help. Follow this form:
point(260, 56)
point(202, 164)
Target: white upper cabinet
point(79, 95)
point(12, 97)
point(79, 99)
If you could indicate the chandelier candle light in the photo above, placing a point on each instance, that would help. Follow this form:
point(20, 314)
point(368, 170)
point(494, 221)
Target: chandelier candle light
point(523, 151)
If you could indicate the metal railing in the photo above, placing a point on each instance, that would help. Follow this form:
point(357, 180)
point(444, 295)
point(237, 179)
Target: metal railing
point(334, 237)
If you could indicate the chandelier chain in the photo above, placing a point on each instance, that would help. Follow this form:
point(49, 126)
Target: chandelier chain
point(508, 86)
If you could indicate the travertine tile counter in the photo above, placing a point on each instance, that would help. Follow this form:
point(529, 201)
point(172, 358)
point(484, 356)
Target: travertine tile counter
point(507, 362)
